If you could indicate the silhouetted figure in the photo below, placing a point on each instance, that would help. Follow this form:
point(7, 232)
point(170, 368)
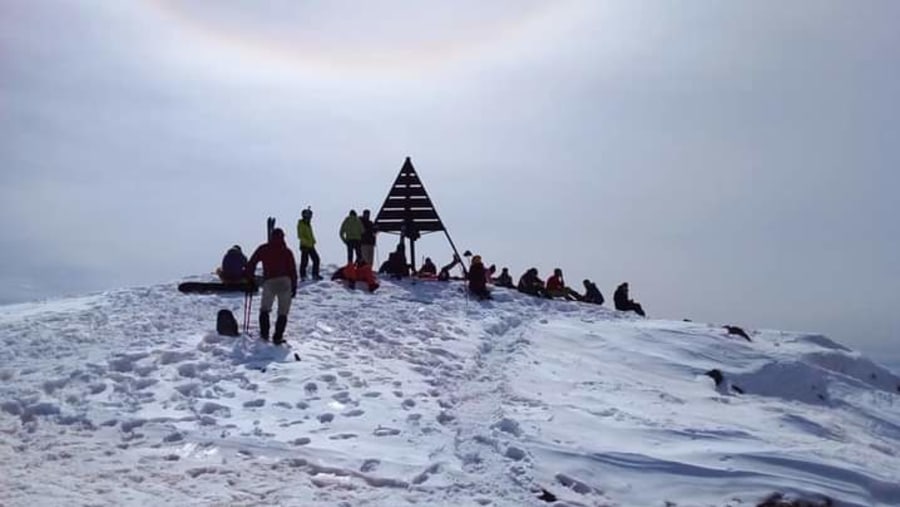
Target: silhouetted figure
point(428, 269)
point(396, 265)
point(351, 234)
point(504, 280)
point(367, 241)
point(234, 263)
point(529, 283)
point(478, 279)
point(624, 303)
point(592, 294)
point(444, 273)
point(280, 282)
point(307, 245)
point(556, 287)
point(735, 330)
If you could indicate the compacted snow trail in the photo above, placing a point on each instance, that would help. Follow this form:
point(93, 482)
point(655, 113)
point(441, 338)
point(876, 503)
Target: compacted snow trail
point(416, 395)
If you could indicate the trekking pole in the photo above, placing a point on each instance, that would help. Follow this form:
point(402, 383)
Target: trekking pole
point(248, 303)
point(244, 323)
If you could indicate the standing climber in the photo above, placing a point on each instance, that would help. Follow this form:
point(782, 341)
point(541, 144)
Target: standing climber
point(279, 282)
point(351, 235)
point(367, 241)
point(307, 245)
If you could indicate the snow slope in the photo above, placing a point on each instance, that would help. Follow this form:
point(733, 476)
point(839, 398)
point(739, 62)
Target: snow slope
point(416, 395)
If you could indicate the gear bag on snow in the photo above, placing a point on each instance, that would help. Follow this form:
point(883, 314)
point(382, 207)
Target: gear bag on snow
point(226, 324)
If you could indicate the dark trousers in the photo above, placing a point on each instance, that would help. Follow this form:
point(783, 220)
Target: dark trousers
point(307, 253)
point(353, 245)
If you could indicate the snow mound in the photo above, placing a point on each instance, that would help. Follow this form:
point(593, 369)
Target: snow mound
point(417, 394)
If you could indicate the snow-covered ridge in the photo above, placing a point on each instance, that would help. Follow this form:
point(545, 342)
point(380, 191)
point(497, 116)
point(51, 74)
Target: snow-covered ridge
point(418, 395)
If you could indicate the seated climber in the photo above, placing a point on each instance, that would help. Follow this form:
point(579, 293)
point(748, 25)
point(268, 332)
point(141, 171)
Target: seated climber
point(591, 293)
point(397, 266)
point(478, 279)
point(444, 274)
point(504, 280)
point(365, 275)
point(530, 284)
point(556, 287)
point(428, 269)
point(233, 266)
point(624, 303)
point(360, 271)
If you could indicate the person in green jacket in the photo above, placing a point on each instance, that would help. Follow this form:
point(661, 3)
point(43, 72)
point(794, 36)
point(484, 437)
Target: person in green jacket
point(351, 234)
point(307, 245)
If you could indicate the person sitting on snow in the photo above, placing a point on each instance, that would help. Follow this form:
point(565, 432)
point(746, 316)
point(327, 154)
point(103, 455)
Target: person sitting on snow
point(233, 265)
point(504, 280)
point(556, 287)
point(530, 284)
point(365, 274)
point(478, 279)
point(444, 274)
point(361, 271)
point(591, 293)
point(398, 267)
point(428, 269)
point(624, 303)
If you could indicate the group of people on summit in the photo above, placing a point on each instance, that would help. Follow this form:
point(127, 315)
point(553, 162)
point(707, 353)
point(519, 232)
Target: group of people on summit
point(280, 274)
point(555, 287)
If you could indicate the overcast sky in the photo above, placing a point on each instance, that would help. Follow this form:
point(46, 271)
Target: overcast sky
point(737, 162)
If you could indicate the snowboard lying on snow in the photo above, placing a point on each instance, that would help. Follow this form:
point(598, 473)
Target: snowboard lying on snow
point(216, 287)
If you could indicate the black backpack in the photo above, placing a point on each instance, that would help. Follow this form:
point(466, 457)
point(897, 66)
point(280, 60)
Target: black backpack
point(226, 324)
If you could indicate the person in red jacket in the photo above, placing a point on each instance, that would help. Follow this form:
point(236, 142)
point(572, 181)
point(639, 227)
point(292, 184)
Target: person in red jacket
point(556, 287)
point(279, 282)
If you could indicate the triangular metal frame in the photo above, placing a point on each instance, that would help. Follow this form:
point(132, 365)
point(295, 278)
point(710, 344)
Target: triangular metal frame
point(408, 210)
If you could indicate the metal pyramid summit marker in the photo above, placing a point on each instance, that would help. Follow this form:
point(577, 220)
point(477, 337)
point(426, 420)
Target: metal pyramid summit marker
point(408, 210)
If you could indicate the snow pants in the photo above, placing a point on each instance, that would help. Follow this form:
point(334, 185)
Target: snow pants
point(307, 253)
point(279, 288)
point(368, 254)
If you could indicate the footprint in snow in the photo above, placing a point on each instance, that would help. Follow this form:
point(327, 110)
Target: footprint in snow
point(385, 432)
point(326, 417)
point(354, 413)
point(369, 465)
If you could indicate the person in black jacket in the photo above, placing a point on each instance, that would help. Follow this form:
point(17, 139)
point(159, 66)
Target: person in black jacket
point(444, 273)
point(591, 293)
point(428, 269)
point(530, 284)
point(624, 303)
point(504, 280)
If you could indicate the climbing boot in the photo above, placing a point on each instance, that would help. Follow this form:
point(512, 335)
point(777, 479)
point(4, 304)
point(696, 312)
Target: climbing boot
point(264, 325)
point(280, 324)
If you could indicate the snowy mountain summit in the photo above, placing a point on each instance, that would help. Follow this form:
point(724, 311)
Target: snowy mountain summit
point(416, 395)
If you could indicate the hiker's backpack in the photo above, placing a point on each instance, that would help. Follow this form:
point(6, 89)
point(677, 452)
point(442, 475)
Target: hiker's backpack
point(226, 324)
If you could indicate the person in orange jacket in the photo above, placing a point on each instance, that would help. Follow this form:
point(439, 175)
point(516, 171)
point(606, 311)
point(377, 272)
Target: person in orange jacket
point(365, 274)
point(359, 272)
